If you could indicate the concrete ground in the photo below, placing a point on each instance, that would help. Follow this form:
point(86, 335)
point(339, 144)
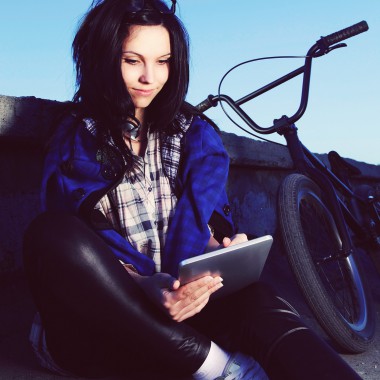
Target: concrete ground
point(17, 310)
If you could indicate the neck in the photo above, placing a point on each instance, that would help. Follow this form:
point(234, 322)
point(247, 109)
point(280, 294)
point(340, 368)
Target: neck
point(140, 115)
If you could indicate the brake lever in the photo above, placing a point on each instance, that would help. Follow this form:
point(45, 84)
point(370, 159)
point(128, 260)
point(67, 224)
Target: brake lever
point(324, 49)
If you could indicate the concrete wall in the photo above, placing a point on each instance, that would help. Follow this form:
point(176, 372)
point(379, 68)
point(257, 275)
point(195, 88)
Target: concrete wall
point(257, 169)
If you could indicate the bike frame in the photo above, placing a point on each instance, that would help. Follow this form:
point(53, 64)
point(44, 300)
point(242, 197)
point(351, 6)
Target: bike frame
point(306, 162)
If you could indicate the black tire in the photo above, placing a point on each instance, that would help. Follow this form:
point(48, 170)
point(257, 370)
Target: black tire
point(334, 289)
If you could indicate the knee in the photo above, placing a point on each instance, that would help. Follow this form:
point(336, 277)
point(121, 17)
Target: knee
point(268, 308)
point(48, 231)
point(49, 221)
point(268, 314)
point(34, 233)
point(261, 296)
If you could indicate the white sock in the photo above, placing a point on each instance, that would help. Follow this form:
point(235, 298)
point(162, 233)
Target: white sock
point(214, 364)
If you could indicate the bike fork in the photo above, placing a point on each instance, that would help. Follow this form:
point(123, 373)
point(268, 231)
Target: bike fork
point(304, 166)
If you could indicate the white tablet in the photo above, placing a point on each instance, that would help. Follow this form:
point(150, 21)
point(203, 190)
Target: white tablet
point(238, 265)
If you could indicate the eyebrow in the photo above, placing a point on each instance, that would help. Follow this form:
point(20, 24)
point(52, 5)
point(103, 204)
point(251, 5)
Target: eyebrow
point(140, 55)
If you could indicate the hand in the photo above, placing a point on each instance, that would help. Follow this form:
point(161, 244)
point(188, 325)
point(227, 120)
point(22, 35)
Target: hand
point(236, 239)
point(213, 244)
point(179, 302)
point(187, 300)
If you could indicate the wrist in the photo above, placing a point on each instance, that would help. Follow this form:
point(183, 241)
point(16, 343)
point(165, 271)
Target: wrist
point(212, 245)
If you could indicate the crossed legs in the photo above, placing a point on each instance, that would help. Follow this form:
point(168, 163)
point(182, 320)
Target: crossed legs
point(98, 321)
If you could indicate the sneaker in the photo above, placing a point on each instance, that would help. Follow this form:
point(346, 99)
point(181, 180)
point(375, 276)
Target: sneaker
point(242, 367)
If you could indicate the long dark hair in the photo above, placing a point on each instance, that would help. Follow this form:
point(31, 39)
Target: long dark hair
point(101, 93)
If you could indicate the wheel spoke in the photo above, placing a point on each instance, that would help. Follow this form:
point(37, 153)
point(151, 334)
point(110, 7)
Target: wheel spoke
point(334, 272)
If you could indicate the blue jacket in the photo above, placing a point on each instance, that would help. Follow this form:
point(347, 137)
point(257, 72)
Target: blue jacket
point(78, 173)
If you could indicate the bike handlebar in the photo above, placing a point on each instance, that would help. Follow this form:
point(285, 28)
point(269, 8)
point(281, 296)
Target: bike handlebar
point(345, 33)
point(323, 46)
point(205, 104)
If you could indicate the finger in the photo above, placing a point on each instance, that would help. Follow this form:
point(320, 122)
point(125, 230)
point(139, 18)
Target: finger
point(175, 301)
point(196, 306)
point(203, 287)
point(188, 289)
point(189, 293)
point(194, 303)
point(226, 242)
point(239, 238)
point(175, 285)
point(192, 312)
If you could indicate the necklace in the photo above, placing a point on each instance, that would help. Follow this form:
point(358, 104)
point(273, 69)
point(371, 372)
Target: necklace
point(134, 137)
point(134, 141)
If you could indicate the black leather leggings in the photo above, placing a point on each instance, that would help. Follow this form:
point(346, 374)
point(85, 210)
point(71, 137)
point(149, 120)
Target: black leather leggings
point(99, 322)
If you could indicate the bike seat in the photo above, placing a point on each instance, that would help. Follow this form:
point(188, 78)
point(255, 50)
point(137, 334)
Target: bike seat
point(341, 168)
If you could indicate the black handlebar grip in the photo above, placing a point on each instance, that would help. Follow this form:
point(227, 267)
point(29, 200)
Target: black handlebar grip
point(204, 105)
point(343, 34)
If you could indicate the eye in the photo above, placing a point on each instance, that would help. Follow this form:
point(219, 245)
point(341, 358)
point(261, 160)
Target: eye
point(163, 61)
point(131, 61)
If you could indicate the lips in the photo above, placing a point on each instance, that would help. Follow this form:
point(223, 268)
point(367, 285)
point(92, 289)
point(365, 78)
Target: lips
point(143, 92)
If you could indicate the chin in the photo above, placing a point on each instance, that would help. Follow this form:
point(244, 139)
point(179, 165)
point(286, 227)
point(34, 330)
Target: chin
point(142, 103)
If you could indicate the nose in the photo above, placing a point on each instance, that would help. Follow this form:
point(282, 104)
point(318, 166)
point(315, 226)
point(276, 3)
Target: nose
point(147, 76)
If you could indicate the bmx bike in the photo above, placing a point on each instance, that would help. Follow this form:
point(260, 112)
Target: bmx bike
point(323, 218)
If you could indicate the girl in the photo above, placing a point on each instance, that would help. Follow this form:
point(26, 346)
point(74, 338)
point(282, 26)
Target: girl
point(134, 183)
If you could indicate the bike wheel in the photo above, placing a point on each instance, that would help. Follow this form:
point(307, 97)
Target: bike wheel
point(333, 286)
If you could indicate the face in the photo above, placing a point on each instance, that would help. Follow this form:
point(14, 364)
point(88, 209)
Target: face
point(145, 64)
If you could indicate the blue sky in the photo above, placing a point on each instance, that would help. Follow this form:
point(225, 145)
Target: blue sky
point(35, 60)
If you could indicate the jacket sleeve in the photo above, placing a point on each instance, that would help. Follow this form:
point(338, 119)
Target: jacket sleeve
point(202, 175)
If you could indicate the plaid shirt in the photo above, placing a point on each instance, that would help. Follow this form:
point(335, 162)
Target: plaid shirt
point(140, 207)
